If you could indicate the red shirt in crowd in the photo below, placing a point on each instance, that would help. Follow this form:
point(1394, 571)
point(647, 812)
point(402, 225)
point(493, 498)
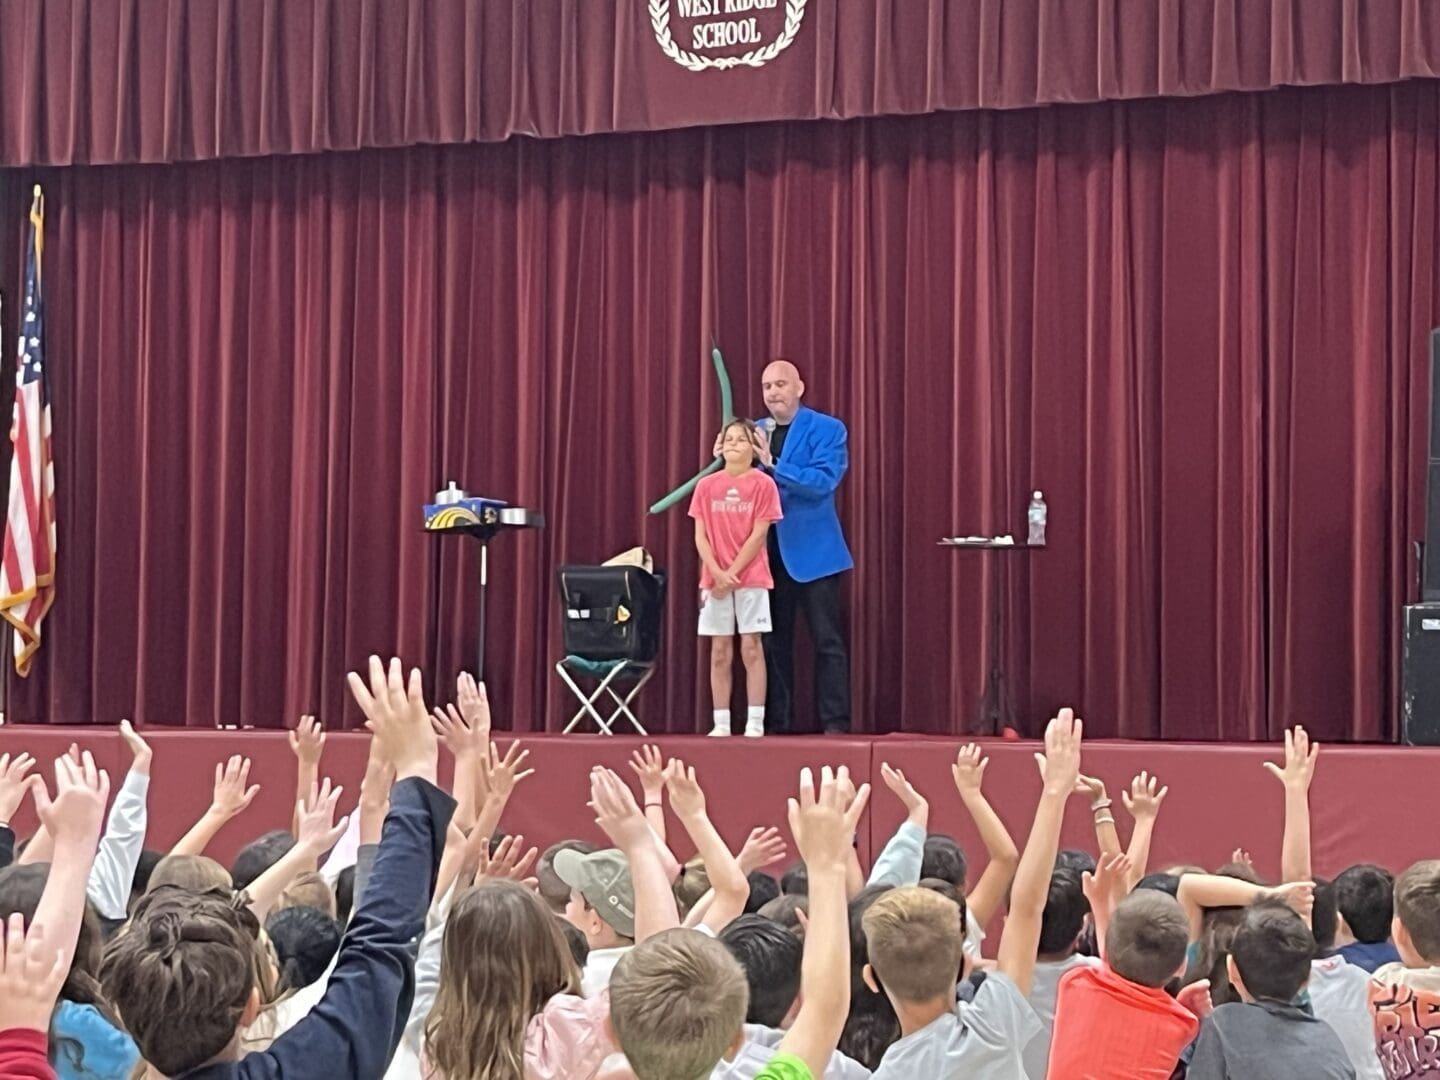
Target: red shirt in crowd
point(22, 1055)
point(1107, 1027)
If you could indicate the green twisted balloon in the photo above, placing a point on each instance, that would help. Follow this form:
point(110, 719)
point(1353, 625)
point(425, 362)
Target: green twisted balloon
point(727, 413)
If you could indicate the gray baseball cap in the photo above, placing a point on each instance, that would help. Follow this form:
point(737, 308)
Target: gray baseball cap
point(603, 878)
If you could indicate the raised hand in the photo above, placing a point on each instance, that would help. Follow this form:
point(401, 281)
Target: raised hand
point(763, 847)
point(649, 766)
point(499, 775)
point(1196, 998)
point(474, 702)
point(31, 974)
point(1242, 857)
point(824, 820)
point(14, 783)
point(140, 753)
point(232, 795)
point(1109, 882)
point(687, 798)
point(395, 713)
point(462, 739)
point(511, 861)
point(968, 771)
point(75, 813)
point(1060, 765)
point(307, 741)
point(1300, 755)
point(917, 807)
point(317, 829)
point(1142, 800)
point(616, 811)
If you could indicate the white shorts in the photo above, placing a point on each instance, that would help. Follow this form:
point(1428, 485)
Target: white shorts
point(749, 608)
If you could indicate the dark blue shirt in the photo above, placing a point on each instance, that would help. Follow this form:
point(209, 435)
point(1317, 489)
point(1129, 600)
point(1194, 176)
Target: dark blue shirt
point(1370, 956)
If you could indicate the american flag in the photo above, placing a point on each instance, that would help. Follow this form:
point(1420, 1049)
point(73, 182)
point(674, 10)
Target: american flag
point(27, 580)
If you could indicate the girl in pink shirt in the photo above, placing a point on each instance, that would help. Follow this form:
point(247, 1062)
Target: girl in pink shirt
point(733, 510)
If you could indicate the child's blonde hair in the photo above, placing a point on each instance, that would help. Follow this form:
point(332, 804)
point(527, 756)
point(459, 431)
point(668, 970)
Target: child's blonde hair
point(677, 1003)
point(914, 937)
point(1417, 906)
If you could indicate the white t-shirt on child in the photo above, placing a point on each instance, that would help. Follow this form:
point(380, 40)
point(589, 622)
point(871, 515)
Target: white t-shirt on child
point(1044, 989)
point(759, 1047)
point(981, 1040)
point(1340, 995)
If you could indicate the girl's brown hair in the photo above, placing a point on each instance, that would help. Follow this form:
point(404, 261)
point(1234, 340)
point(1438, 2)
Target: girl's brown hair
point(751, 433)
point(503, 958)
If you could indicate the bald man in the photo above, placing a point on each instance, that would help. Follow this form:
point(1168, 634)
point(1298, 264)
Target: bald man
point(806, 454)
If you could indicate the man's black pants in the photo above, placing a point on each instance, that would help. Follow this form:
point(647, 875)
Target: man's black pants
point(820, 600)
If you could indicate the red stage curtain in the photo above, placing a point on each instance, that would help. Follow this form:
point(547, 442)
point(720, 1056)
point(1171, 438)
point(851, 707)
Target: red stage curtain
point(117, 81)
point(1198, 325)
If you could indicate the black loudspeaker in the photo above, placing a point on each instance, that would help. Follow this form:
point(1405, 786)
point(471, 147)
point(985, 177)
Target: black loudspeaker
point(1430, 560)
point(611, 612)
point(1420, 700)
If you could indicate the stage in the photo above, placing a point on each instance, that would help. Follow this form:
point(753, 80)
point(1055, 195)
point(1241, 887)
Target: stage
point(1220, 797)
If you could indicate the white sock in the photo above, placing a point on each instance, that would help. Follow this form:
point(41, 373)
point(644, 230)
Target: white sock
point(755, 720)
point(722, 722)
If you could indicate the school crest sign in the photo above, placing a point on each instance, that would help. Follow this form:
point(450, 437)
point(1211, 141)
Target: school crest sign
point(710, 27)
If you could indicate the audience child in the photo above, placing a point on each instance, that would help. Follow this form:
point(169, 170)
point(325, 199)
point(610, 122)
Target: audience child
point(1365, 895)
point(678, 1001)
point(553, 891)
point(1266, 1035)
point(915, 939)
point(1405, 995)
point(1061, 924)
point(871, 1025)
point(181, 976)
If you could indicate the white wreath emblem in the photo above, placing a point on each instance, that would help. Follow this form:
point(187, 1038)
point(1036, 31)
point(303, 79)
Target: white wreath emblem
point(660, 20)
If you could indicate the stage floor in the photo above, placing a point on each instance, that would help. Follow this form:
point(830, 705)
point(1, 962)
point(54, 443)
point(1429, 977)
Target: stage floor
point(1220, 797)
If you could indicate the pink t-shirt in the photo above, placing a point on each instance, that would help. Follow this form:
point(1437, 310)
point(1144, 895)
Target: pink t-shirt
point(729, 506)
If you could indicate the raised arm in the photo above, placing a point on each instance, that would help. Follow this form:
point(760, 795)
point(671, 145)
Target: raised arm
point(621, 820)
point(307, 743)
point(1200, 891)
point(1296, 776)
point(985, 898)
point(466, 747)
point(1104, 888)
point(318, 832)
point(1021, 936)
point(904, 854)
point(1142, 802)
point(822, 832)
point(72, 819)
point(232, 796)
point(14, 783)
point(649, 766)
point(1106, 836)
point(113, 875)
point(727, 880)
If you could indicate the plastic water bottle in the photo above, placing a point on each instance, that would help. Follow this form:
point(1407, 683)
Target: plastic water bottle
point(1036, 518)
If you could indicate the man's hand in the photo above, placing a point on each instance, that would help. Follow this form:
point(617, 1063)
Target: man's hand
point(307, 741)
point(820, 821)
point(968, 771)
point(318, 830)
point(763, 847)
point(1300, 755)
point(14, 783)
point(31, 974)
point(474, 702)
point(75, 814)
point(917, 807)
point(649, 766)
point(1142, 800)
point(231, 795)
point(761, 442)
point(499, 775)
point(1060, 764)
point(140, 753)
point(616, 812)
point(395, 713)
point(687, 798)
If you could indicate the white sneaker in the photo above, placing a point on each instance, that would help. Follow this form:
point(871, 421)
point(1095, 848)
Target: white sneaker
point(718, 732)
point(754, 731)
